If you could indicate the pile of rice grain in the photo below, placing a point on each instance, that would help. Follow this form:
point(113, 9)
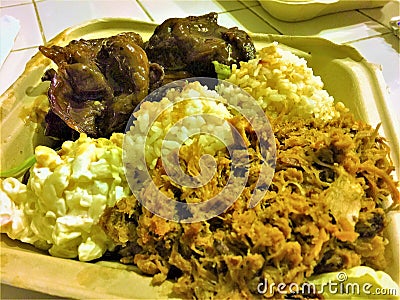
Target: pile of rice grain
point(282, 84)
point(179, 113)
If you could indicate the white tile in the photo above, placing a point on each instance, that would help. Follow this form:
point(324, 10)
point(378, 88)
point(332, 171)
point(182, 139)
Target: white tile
point(385, 13)
point(4, 3)
point(351, 32)
point(29, 33)
point(340, 27)
point(57, 15)
point(242, 18)
point(245, 20)
point(14, 66)
point(384, 50)
point(160, 10)
point(202, 7)
point(228, 5)
point(249, 3)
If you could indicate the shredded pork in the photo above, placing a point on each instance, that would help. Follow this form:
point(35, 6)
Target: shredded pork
point(324, 211)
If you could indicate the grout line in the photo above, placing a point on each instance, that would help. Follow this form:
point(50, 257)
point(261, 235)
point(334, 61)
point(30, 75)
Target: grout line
point(233, 10)
point(39, 22)
point(369, 17)
point(244, 2)
point(379, 22)
point(145, 10)
point(14, 5)
point(24, 48)
point(367, 38)
point(271, 25)
point(249, 9)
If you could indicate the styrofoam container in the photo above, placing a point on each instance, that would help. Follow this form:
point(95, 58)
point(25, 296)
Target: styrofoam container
point(348, 77)
point(300, 10)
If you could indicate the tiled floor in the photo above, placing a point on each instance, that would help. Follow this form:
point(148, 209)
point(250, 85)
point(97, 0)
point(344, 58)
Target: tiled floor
point(41, 20)
point(340, 27)
point(29, 34)
point(55, 15)
point(365, 29)
point(184, 8)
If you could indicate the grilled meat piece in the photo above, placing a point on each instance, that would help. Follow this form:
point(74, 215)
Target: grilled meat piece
point(191, 44)
point(99, 82)
point(55, 127)
point(85, 51)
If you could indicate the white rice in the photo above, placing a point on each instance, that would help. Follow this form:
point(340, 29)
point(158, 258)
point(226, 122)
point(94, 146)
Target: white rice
point(282, 83)
point(175, 120)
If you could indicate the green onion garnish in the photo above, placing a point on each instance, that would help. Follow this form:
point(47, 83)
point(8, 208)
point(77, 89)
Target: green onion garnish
point(19, 170)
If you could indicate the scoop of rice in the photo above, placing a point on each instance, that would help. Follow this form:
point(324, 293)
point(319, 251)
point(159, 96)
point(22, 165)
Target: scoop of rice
point(282, 83)
point(177, 119)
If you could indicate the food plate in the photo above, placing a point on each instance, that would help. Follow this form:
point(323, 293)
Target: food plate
point(348, 77)
point(300, 10)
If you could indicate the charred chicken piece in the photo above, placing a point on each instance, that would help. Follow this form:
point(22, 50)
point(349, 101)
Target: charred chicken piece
point(99, 82)
point(191, 44)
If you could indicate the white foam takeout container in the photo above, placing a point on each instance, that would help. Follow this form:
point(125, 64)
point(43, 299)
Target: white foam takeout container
point(301, 10)
point(348, 77)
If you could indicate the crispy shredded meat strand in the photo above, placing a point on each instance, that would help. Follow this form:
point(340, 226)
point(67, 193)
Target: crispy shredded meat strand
point(297, 230)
